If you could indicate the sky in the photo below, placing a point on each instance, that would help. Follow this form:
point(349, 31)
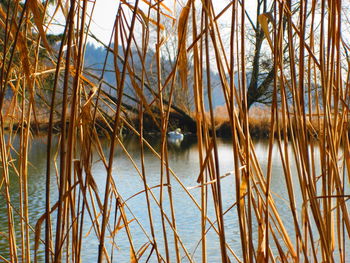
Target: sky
point(106, 10)
point(105, 13)
point(103, 19)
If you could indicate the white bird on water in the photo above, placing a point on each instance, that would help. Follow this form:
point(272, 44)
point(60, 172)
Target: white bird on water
point(176, 135)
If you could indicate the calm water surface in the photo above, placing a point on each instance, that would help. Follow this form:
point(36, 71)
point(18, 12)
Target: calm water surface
point(184, 162)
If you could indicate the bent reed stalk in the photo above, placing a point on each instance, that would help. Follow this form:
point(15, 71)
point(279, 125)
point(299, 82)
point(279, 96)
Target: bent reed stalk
point(307, 80)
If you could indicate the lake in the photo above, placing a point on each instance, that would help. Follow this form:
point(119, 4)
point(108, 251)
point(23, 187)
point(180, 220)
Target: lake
point(184, 161)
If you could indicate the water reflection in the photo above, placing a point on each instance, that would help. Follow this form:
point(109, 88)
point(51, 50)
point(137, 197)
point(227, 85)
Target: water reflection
point(183, 160)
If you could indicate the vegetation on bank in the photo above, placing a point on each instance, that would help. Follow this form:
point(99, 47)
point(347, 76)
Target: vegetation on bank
point(259, 122)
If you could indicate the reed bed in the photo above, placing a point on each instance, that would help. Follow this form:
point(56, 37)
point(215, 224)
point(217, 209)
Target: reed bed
point(306, 48)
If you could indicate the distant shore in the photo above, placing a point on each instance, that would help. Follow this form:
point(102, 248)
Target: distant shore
point(259, 125)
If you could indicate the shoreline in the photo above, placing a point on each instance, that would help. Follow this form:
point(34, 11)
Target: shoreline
point(223, 130)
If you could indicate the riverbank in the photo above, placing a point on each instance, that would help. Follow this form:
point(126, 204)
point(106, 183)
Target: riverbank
point(259, 124)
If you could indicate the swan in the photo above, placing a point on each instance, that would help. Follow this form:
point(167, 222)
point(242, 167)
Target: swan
point(176, 135)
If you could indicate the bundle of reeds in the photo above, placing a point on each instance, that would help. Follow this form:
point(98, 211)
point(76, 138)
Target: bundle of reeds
point(308, 83)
